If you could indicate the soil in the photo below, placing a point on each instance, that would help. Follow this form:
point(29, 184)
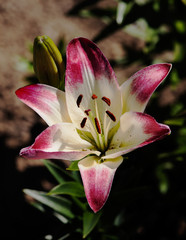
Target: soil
point(20, 22)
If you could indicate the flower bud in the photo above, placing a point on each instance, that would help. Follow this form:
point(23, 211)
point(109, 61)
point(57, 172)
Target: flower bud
point(48, 63)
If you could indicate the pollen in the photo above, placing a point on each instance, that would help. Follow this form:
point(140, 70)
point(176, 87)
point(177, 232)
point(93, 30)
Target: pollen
point(111, 115)
point(107, 100)
point(98, 128)
point(83, 122)
point(79, 99)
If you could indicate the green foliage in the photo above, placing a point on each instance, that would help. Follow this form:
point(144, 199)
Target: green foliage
point(90, 220)
point(70, 188)
point(73, 166)
point(58, 173)
point(58, 204)
point(64, 201)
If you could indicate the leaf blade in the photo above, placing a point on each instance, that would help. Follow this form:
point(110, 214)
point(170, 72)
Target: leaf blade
point(90, 220)
point(70, 188)
point(58, 173)
point(73, 166)
point(58, 204)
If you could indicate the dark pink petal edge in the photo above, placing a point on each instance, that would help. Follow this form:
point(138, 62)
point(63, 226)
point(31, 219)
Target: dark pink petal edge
point(43, 147)
point(148, 79)
point(84, 55)
point(151, 127)
point(31, 153)
point(157, 130)
point(36, 96)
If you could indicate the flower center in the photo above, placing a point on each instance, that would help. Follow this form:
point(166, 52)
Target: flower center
point(97, 122)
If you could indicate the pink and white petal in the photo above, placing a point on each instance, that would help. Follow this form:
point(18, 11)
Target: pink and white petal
point(136, 130)
point(47, 101)
point(97, 179)
point(137, 90)
point(88, 72)
point(60, 141)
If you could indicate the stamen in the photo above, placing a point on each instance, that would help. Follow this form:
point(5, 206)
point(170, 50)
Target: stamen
point(94, 96)
point(87, 112)
point(97, 125)
point(83, 122)
point(107, 100)
point(79, 99)
point(111, 115)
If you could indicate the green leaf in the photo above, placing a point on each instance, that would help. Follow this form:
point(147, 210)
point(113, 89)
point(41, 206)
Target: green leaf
point(73, 166)
point(59, 204)
point(58, 173)
point(41, 208)
point(38, 206)
point(90, 220)
point(175, 121)
point(70, 188)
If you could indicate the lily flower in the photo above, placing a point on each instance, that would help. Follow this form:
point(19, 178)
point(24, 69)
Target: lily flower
point(95, 120)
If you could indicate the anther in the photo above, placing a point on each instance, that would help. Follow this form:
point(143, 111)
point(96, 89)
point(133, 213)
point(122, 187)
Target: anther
point(79, 99)
point(87, 112)
point(111, 115)
point(83, 122)
point(97, 125)
point(107, 100)
point(94, 96)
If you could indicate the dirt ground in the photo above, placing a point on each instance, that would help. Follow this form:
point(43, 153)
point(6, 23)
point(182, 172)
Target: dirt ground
point(20, 22)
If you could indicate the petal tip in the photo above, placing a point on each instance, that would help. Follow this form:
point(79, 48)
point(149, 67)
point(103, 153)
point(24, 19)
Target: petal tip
point(168, 66)
point(96, 208)
point(19, 92)
point(167, 130)
point(27, 153)
point(97, 180)
point(23, 154)
point(145, 81)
